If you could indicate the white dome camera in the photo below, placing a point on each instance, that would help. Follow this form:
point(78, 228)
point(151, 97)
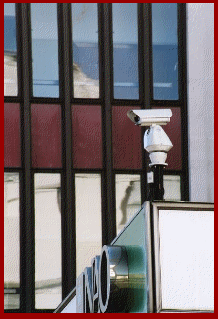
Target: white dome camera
point(156, 141)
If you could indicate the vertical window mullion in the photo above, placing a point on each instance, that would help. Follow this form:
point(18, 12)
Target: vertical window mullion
point(68, 185)
point(27, 204)
point(19, 50)
point(182, 58)
point(145, 60)
point(108, 200)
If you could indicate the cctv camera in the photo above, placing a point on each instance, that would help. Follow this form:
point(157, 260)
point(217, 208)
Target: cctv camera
point(157, 144)
point(156, 141)
point(150, 117)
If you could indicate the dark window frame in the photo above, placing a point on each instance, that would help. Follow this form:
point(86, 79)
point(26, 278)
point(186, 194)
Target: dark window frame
point(106, 101)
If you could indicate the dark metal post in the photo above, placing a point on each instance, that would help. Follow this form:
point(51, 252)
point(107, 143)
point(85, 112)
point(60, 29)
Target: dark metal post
point(156, 188)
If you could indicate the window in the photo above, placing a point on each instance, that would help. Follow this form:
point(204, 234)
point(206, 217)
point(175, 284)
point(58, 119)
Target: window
point(128, 198)
point(11, 241)
point(85, 50)
point(88, 219)
point(125, 51)
point(165, 51)
point(72, 72)
point(44, 49)
point(10, 50)
point(48, 283)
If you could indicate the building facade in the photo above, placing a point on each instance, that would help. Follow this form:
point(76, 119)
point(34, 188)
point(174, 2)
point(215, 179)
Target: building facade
point(75, 167)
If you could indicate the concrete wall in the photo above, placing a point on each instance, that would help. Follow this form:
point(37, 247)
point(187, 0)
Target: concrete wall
point(200, 54)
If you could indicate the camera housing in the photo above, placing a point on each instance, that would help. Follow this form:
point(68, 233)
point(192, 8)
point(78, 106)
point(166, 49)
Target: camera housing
point(150, 117)
point(156, 141)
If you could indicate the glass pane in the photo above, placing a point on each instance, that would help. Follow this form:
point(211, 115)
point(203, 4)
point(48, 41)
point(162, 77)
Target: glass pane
point(187, 259)
point(87, 136)
point(12, 143)
point(48, 241)
point(126, 140)
point(11, 241)
point(172, 187)
point(125, 51)
point(133, 238)
point(85, 50)
point(44, 49)
point(10, 50)
point(46, 136)
point(128, 198)
point(165, 51)
point(174, 131)
point(88, 219)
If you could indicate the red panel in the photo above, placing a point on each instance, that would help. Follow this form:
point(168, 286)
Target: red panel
point(87, 136)
point(173, 130)
point(12, 143)
point(46, 136)
point(127, 142)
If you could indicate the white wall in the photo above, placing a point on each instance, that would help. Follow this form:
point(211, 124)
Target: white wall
point(200, 55)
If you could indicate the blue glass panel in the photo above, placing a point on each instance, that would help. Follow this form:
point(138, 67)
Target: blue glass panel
point(85, 50)
point(125, 51)
point(165, 51)
point(10, 50)
point(45, 49)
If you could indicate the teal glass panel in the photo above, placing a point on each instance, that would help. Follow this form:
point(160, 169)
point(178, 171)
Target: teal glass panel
point(134, 239)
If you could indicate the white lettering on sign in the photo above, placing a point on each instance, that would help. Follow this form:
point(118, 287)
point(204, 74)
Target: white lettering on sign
point(101, 287)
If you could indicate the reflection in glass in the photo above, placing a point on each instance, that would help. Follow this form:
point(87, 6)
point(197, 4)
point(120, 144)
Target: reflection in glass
point(10, 50)
point(128, 198)
point(85, 50)
point(165, 51)
point(45, 49)
point(187, 259)
point(172, 188)
point(47, 241)
point(88, 219)
point(125, 51)
point(11, 241)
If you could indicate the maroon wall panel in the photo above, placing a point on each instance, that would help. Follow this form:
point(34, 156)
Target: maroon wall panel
point(12, 143)
point(173, 130)
point(46, 136)
point(127, 142)
point(87, 136)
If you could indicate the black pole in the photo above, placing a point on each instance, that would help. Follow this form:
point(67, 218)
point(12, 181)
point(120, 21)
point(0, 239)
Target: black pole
point(156, 189)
